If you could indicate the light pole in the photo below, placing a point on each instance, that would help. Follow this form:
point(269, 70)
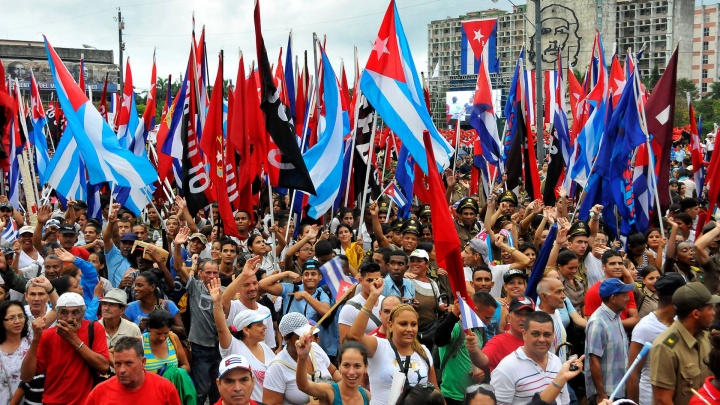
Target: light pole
point(540, 141)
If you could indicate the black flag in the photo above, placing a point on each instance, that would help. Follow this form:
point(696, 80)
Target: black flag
point(279, 124)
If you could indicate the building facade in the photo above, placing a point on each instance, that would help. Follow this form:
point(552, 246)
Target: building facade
point(20, 57)
point(705, 58)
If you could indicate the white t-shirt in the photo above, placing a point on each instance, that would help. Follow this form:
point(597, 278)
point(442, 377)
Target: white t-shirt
point(560, 335)
point(517, 378)
point(498, 272)
point(348, 313)
point(593, 267)
point(282, 379)
point(647, 330)
point(259, 368)
point(236, 307)
point(383, 366)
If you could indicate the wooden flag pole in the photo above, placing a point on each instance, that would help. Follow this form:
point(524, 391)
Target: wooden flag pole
point(330, 311)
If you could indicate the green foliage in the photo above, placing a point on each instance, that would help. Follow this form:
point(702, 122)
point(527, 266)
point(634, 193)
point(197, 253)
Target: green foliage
point(714, 91)
point(650, 81)
point(579, 76)
point(685, 86)
point(682, 114)
point(141, 109)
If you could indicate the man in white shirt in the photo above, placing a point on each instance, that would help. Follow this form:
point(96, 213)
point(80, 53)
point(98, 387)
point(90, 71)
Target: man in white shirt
point(533, 368)
point(369, 273)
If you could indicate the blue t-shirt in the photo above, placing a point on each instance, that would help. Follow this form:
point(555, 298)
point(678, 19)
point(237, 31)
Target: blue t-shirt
point(301, 306)
point(135, 314)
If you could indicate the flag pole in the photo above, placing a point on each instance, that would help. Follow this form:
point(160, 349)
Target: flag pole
point(457, 144)
point(367, 172)
point(653, 178)
point(385, 159)
point(287, 225)
point(272, 214)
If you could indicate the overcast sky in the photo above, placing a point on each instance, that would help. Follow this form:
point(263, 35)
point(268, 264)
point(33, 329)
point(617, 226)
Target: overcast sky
point(167, 25)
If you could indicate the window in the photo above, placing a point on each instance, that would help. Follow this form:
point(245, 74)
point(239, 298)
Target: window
point(706, 32)
point(705, 45)
point(704, 59)
point(704, 74)
point(706, 17)
point(704, 88)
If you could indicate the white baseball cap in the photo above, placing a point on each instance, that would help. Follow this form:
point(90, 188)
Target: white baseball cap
point(248, 317)
point(421, 254)
point(232, 362)
point(70, 299)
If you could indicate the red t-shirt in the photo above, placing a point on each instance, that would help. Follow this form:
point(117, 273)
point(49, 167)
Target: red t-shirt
point(376, 332)
point(155, 390)
point(709, 392)
point(500, 346)
point(593, 301)
point(68, 378)
point(80, 252)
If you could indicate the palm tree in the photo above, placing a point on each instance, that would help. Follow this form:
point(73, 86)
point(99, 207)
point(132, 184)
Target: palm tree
point(714, 91)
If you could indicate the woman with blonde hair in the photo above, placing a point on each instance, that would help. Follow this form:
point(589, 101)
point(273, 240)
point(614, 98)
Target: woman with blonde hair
point(401, 352)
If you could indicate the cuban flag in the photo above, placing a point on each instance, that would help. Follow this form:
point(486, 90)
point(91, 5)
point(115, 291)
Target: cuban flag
point(127, 119)
point(106, 161)
point(559, 117)
point(588, 140)
point(66, 171)
point(482, 117)
point(395, 195)
point(391, 84)
point(133, 198)
point(476, 36)
point(37, 137)
point(470, 320)
point(16, 148)
point(325, 159)
point(139, 138)
point(336, 279)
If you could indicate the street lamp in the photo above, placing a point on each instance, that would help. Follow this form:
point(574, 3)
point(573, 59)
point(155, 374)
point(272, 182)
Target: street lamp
point(540, 127)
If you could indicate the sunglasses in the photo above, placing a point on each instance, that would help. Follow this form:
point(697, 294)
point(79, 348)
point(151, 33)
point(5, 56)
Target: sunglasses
point(473, 389)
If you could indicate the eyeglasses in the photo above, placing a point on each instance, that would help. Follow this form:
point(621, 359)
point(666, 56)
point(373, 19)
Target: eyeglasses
point(477, 387)
point(307, 250)
point(74, 312)
point(15, 318)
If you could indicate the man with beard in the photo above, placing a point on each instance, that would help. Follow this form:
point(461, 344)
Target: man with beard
point(246, 285)
point(65, 355)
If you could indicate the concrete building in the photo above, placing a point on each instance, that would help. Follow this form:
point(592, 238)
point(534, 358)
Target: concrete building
point(20, 57)
point(444, 48)
point(705, 59)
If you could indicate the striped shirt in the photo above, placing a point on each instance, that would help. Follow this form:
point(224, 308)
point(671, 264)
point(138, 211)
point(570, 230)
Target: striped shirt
point(517, 378)
point(606, 338)
point(152, 363)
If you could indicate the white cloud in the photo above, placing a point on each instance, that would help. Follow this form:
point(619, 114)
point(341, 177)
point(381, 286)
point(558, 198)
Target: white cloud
point(166, 24)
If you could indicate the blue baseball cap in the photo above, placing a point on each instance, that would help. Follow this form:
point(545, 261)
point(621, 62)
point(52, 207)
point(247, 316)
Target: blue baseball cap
point(614, 286)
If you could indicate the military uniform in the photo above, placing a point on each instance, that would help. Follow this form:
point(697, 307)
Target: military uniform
point(581, 228)
point(458, 193)
point(411, 226)
point(677, 361)
point(677, 358)
point(424, 213)
point(464, 233)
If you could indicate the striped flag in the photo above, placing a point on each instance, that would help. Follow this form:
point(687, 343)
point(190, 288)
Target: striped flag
point(37, 136)
point(470, 320)
point(395, 194)
point(105, 159)
point(335, 277)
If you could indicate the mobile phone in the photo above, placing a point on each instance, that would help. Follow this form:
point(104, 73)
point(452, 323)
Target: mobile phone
point(572, 358)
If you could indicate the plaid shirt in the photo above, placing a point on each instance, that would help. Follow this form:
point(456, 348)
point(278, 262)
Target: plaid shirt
point(606, 339)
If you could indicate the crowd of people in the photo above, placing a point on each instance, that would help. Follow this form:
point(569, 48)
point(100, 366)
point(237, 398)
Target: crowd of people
point(164, 308)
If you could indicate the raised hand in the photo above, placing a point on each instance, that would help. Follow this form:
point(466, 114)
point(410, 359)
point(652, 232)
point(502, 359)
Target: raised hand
point(42, 282)
point(44, 214)
point(303, 346)
point(562, 192)
point(64, 255)
point(16, 245)
point(376, 288)
point(215, 290)
point(112, 217)
point(181, 203)
point(373, 209)
point(38, 326)
point(252, 265)
point(182, 236)
point(538, 206)
point(565, 372)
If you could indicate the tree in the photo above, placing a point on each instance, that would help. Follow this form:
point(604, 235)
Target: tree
point(685, 86)
point(650, 81)
point(579, 76)
point(714, 91)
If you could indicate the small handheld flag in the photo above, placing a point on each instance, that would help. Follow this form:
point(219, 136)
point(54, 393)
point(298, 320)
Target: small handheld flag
point(395, 194)
point(335, 278)
point(470, 320)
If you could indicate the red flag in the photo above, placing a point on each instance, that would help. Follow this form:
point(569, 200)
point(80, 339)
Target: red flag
point(660, 115)
point(123, 115)
point(165, 162)
point(713, 178)
point(212, 144)
point(577, 97)
point(103, 100)
point(447, 242)
point(617, 80)
point(151, 103)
